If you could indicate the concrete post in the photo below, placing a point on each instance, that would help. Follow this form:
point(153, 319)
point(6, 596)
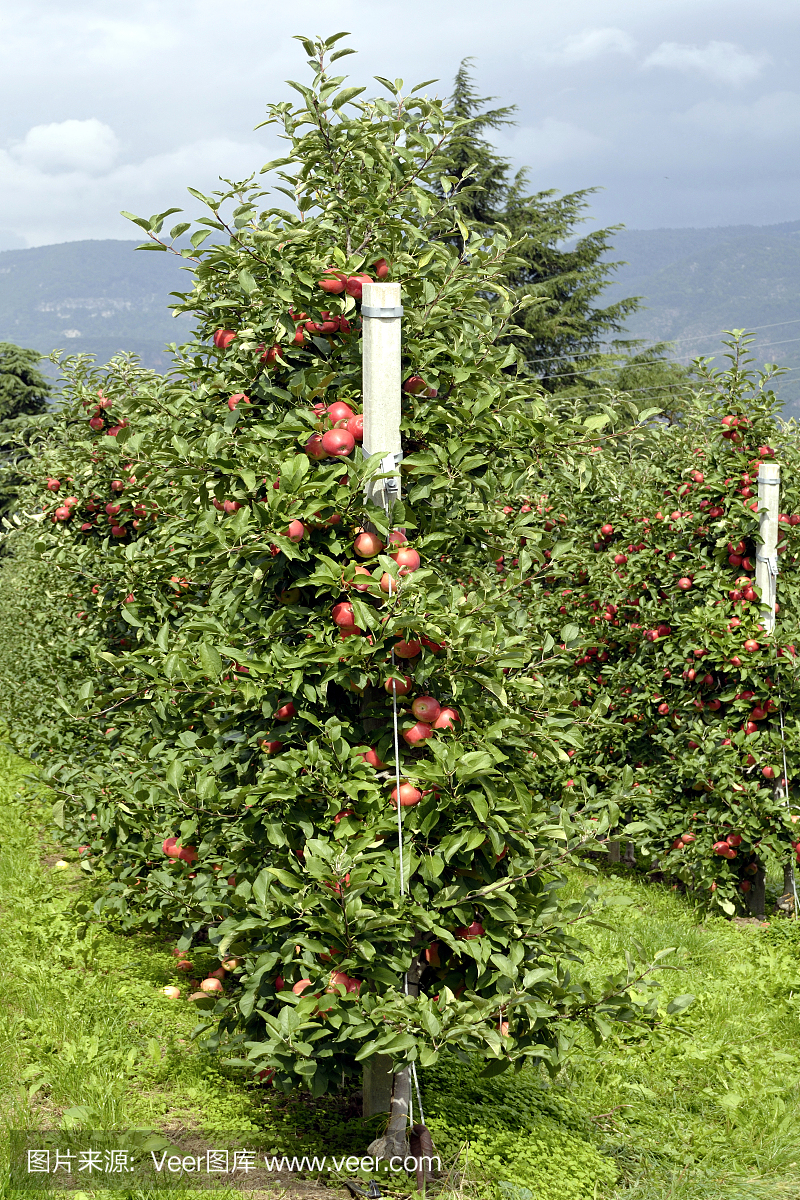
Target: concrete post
point(769, 475)
point(381, 312)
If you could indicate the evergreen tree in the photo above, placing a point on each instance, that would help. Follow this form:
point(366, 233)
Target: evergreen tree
point(24, 392)
point(564, 335)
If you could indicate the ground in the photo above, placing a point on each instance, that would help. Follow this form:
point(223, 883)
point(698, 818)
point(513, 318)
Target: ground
point(703, 1106)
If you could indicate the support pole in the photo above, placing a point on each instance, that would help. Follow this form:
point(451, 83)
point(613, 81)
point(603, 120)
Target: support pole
point(381, 312)
point(769, 477)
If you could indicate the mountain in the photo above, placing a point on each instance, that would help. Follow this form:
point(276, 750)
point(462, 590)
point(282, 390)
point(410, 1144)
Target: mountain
point(697, 282)
point(95, 297)
point(100, 297)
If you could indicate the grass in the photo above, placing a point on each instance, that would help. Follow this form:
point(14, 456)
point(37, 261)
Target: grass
point(706, 1106)
point(702, 1107)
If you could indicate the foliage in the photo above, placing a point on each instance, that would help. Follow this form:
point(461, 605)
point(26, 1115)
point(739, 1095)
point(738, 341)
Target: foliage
point(523, 1138)
point(671, 633)
point(24, 391)
point(226, 709)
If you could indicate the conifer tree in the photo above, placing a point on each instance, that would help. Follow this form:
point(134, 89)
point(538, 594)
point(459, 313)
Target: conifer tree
point(564, 336)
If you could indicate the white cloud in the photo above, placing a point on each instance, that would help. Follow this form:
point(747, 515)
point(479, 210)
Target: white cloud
point(86, 146)
point(80, 204)
point(721, 61)
point(593, 43)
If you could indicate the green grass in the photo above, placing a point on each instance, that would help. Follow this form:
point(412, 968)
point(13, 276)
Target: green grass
point(702, 1107)
point(707, 1104)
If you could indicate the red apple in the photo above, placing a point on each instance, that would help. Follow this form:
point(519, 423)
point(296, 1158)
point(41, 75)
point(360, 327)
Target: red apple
point(367, 545)
point(171, 847)
point(446, 719)
point(301, 986)
point(340, 979)
point(389, 584)
point(361, 587)
point(417, 733)
point(314, 448)
point(768, 772)
point(468, 932)
point(296, 531)
point(397, 686)
point(407, 649)
point(234, 402)
point(339, 411)
point(62, 513)
point(426, 708)
point(270, 747)
point(333, 284)
point(338, 442)
point(381, 268)
point(414, 385)
point(355, 283)
point(211, 985)
point(407, 558)
point(286, 712)
point(343, 615)
point(223, 338)
point(750, 645)
point(684, 584)
point(432, 954)
point(408, 795)
point(53, 484)
point(372, 757)
point(355, 426)
point(172, 993)
point(620, 559)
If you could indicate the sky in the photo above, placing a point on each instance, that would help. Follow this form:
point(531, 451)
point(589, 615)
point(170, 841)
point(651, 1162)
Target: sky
point(681, 112)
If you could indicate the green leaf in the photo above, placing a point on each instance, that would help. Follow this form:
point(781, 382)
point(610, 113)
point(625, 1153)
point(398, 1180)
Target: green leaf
point(679, 1004)
point(210, 660)
point(346, 96)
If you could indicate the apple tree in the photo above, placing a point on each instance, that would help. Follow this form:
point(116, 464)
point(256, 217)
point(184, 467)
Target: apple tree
point(255, 622)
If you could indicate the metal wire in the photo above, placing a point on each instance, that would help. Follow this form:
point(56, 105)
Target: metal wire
point(419, 1093)
point(796, 914)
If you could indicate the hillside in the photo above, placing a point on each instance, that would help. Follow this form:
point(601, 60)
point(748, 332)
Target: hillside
point(95, 297)
point(697, 282)
point(100, 296)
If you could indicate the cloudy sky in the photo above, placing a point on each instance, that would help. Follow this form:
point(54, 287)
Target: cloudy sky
point(684, 112)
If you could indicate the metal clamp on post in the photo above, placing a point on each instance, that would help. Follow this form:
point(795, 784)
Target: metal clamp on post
point(771, 560)
point(390, 465)
point(371, 311)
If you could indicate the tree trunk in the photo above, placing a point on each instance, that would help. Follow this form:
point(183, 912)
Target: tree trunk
point(613, 852)
point(788, 889)
point(391, 1093)
point(394, 1142)
point(757, 896)
point(377, 1085)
